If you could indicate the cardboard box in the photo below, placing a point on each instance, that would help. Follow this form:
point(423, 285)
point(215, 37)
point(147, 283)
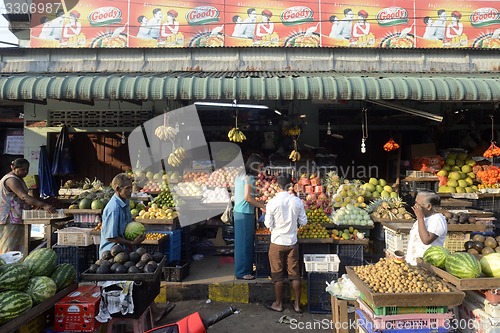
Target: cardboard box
point(424, 149)
point(76, 312)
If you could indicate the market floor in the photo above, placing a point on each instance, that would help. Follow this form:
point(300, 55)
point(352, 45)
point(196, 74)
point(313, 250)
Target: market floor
point(251, 318)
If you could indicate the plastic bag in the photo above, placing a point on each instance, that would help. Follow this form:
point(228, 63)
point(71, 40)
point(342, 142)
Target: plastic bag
point(343, 288)
point(228, 215)
point(12, 257)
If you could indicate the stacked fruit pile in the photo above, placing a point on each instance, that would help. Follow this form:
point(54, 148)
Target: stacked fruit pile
point(377, 188)
point(189, 189)
point(481, 245)
point(349, 193)
point(197, 177)
point(117, 261)
point(456, 174)
point(156, 212)
point(224, 177)
point(313, 230)
point(352, 215)
point(488, 175)
point(317, 215)
point(93, 199)
point(38, 278)
point(266, 187)
point(164, 200)
point(391, 208)
point(347, 234)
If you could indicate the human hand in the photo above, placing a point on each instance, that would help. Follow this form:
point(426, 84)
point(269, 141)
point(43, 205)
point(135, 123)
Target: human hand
point(139, 239)
point(418, 210)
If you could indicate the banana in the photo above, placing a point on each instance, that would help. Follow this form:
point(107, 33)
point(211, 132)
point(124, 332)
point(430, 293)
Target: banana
point(231, 133)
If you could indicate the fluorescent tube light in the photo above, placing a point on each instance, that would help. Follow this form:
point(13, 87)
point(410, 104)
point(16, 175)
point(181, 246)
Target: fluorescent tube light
point(277, 112)
point(232, 105)
point(405, 109)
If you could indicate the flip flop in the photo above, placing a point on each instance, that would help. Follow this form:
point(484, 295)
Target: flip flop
point(284, 320)
point(270, 307)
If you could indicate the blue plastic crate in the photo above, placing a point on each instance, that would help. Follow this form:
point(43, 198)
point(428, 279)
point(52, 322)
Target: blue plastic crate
point(369, 327)
point(350, 255)
point(81, 257)
point(318, 299)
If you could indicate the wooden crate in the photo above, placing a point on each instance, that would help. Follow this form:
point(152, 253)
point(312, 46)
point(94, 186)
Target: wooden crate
point(480, 283)
point(450, 299)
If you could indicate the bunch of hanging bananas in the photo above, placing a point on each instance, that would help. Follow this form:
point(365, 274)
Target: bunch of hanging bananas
point(236, 135)
point(293, 131)
point(175, 158)
point(294, 155)
point(165, 133)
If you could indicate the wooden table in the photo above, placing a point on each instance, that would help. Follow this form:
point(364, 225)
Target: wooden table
point(50, 223)
point(340, 314)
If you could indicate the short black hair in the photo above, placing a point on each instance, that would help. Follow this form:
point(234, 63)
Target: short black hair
point(19, 163)
point(284, 180)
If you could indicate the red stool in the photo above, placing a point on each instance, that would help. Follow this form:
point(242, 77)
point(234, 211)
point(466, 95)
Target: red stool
point(138, 325)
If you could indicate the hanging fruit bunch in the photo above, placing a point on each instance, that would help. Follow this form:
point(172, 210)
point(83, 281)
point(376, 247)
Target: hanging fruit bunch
point(492, 151)
point(175, 158)
point(391, 145)
point(294, 155)
point(165, 132)
point(293, 131)
point(235, 134)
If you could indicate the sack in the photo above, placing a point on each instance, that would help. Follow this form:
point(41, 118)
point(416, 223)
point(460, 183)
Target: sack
point(228, 215)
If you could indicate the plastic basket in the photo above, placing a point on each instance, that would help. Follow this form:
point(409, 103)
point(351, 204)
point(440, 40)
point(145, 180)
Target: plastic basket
point(81, 257)
point(350, 255)
point(418, 174)
point(491, 204)
point(396, 310)
point(74, 237)
point(176, 271)
point(40, 214)
point(321, 262)
point(262, 266)
point(412, 320)
point(87, 218)
point(455, 241)
point(370, 327)
point(318, 299)
point(395, 241)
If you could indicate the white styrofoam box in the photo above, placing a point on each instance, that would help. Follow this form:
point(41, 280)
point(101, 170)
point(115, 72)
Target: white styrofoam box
point(396, 241)
point(472, 319)
point(38, 230)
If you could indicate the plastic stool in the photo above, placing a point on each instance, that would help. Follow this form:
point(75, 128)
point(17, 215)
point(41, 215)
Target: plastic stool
point(138, 325)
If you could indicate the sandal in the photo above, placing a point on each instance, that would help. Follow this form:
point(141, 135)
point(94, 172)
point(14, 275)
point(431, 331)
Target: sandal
point(247, 277)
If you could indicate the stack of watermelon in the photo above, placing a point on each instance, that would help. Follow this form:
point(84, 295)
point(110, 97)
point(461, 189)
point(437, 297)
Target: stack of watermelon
point(36, 279)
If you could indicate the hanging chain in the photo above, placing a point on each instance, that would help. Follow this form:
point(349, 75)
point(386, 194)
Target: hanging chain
point(492, 129)
point(364, 123)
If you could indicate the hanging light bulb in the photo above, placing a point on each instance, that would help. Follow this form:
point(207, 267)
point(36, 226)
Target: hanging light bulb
point(363, 146)
point(329, 129)
point(123, 138)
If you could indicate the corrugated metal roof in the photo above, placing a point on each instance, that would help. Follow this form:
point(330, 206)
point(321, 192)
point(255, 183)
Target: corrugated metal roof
point(250, 86)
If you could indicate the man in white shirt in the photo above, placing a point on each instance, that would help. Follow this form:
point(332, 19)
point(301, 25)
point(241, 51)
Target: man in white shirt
point(284, 214)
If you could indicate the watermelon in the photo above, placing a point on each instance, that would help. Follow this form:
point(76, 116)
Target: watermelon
point(85, 204)
point(41, 262)
point(133, 230)
point(436, 256)
point(41, 288)
point(14, 276)
point(490, 264)
point(12, 304)
point(64, 275)
point(463, 265)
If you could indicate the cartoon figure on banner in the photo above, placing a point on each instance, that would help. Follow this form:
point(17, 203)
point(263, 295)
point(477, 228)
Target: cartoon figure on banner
point(171, 26)
point(454, 31)
point(72, 30)
point(430, 29)
point(440, 24)
point(265, 30)
point(57, 25)
point(46, 28)
point(143, 32)
point(249, 23)
point(238, 27)
point(335, 32)
point(7, 37)
point(345, 25)
point(154, 24)
point(361, 30)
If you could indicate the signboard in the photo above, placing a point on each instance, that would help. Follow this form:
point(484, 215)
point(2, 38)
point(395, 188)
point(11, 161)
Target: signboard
point(281, 23)
point(14, 145)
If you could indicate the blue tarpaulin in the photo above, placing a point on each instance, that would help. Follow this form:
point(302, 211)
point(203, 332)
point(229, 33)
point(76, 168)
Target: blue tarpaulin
point(62, 164)
point(47, 188)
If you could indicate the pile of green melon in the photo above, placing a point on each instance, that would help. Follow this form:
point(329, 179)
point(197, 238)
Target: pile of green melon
point(36, 279)
point(463, 265)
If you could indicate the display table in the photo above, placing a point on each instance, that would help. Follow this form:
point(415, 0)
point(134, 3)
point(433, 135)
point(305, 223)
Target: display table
point(52, 225)
point(14, 324)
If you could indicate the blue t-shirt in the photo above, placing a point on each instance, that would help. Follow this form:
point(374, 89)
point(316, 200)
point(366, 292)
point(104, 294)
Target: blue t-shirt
point(240, 204)
point(115, 217)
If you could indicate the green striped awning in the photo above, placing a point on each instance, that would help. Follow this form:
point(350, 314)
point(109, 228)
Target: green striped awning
point(249, 86)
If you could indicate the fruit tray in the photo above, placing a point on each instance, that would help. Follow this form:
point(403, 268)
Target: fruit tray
point(315, 240)
point(83, 211)
point(480, 283)
point(157, 221)
point(155, 241)
point(467, 227)
point(449, 299)
point(86, 276)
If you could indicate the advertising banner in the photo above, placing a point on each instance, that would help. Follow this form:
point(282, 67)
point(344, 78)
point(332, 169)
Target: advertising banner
point(91, 23)
point(177, 24)
point(309, 23)
point(458, 24)
point(273, 24)
point(373, 24)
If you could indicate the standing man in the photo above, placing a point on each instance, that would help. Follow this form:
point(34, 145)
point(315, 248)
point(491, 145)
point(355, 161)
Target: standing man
point(249, 24)
point(440, 24)
point(284, 214)
point(154, 24)
point(345, 26)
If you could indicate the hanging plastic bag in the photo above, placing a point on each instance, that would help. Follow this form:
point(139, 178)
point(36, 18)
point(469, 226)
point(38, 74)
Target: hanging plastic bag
point(11, 257)
point(228, 215)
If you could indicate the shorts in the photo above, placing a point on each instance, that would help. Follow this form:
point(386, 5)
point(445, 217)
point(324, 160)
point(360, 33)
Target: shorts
point(281, 256)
